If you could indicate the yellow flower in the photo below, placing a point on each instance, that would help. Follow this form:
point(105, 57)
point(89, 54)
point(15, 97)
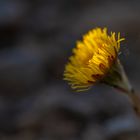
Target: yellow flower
point(92, 58)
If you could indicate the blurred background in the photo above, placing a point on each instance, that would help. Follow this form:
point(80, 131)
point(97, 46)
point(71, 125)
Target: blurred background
point(36, 39)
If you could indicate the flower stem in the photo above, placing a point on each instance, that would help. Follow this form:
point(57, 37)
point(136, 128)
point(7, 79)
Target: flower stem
point(127, 88)
point(135, 101)
point(118, 79)
point(124, 83)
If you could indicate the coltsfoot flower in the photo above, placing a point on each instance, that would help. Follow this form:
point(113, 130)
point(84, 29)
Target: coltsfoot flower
point(95, 59)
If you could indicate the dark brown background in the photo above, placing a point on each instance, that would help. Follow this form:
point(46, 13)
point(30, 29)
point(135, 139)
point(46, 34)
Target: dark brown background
point(36, 39)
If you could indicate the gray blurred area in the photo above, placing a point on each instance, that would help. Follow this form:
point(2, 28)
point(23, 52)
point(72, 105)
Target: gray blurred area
point(36, 39)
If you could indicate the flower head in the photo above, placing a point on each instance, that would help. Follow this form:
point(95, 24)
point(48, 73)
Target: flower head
point(92, 58)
